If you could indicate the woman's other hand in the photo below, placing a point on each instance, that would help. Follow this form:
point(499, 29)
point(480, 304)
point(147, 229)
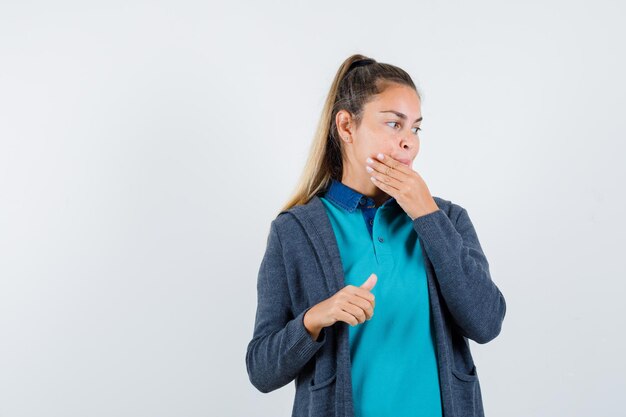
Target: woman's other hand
point(351, 304)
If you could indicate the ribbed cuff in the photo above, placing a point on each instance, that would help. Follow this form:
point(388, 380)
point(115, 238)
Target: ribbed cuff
point(433, 225)
point(300, 341)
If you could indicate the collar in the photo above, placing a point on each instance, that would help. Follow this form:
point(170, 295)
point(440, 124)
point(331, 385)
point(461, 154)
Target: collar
point(349, 199)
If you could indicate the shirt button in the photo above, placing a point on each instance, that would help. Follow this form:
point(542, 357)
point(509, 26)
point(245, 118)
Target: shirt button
point(380, 239)
point(362, 200)
point(371, 221)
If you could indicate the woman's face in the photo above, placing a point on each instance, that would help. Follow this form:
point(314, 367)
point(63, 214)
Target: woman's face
point(390, 126)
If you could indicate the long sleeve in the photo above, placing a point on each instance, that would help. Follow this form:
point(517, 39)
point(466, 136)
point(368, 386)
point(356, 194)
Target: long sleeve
point(280, 345)
point(475, 302)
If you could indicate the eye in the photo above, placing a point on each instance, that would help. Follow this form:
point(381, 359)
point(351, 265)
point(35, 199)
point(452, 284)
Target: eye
point(399, 125)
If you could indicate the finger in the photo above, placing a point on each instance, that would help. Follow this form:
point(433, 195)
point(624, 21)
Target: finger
point(393, 165)
point(370, 282)
point(361, 292)
point(356, 311)
point(378, 168)
point(392, 191)
point(364, 305)
point(347, 317)
point(386, 179)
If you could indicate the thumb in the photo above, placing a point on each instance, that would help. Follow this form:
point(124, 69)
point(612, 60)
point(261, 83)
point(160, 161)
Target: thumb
point(370, 282)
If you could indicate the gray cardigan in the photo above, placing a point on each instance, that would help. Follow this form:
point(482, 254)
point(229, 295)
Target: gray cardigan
point(302, 267)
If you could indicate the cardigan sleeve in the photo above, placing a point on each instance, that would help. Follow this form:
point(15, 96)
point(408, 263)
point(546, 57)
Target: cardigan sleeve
point(473, 299)
point(280, 345)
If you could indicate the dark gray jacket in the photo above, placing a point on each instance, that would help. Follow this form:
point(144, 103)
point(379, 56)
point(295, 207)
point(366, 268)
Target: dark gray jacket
point(302, 267)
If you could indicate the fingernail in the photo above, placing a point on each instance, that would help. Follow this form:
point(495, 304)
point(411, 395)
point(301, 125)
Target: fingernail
point(381, 156)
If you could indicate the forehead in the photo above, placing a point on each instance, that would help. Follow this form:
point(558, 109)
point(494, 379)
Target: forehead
point(399, 98)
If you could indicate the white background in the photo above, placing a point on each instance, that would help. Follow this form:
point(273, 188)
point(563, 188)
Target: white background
point(145, 148)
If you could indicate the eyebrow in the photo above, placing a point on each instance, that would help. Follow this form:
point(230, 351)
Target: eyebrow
point(401, 115)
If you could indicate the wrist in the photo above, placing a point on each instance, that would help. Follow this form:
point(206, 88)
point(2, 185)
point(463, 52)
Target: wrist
point(310, 324)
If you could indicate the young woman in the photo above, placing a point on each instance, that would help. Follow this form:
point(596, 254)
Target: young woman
point(362, 234)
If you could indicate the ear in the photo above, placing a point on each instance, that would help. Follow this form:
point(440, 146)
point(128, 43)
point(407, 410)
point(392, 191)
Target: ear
point(343, 120)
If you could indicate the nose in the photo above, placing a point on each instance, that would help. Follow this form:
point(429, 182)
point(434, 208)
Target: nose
point(408, 142)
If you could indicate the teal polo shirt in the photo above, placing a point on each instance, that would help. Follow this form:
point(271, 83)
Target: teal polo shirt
point(394, 363)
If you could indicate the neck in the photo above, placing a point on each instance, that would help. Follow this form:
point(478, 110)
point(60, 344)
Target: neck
point(364, 185)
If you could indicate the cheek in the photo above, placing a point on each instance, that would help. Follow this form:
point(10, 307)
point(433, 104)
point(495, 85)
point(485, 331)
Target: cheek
point(368, 144)
point(373, 141)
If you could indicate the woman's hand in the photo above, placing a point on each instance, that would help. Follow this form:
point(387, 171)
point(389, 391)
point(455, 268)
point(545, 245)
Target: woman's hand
point(403, 184)
point(351, 304)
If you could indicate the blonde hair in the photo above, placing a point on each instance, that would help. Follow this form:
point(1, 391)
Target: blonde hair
point(357, 81)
